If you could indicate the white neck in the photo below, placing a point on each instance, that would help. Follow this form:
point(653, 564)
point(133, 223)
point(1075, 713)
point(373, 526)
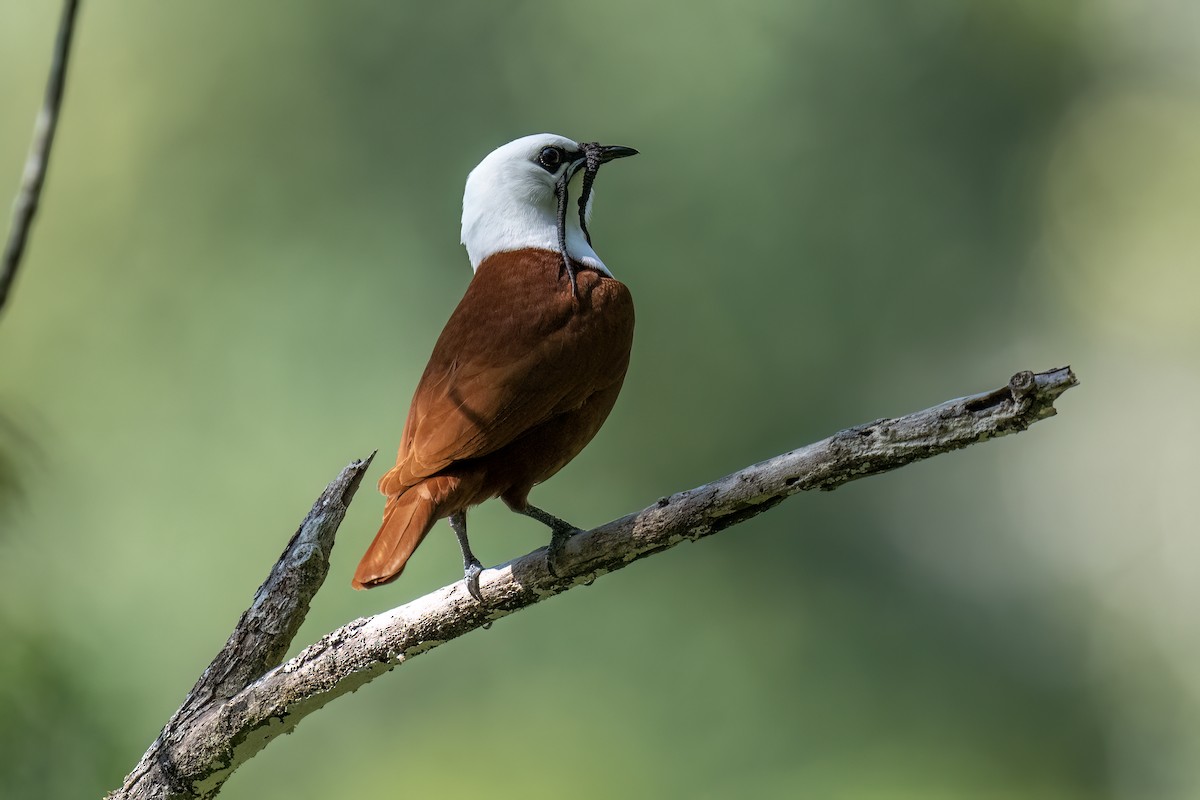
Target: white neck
point(509, 204)
point(519, 226)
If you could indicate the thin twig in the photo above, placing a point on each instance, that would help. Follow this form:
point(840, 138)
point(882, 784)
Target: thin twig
point(29, 194)
point(220, 737)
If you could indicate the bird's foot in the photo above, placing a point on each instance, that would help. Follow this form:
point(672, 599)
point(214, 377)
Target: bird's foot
point(471, 565)
point(560, 532)
point(471, 574)
point(559, 536)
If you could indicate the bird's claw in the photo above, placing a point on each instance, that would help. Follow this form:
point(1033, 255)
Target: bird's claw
point(558, 540)
point(471, 573)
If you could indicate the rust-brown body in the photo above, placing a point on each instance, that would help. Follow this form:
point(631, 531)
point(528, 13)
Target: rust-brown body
point(522, 377)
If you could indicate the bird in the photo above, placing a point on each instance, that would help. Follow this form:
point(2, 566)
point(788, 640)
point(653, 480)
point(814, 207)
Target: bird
point(528, 366)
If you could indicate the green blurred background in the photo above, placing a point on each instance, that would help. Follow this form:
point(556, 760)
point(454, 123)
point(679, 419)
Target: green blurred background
point(842, 211)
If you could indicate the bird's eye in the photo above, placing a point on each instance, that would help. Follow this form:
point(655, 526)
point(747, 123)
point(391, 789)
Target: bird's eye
point(550, 158)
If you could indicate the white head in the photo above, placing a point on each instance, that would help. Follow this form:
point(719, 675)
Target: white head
point(510, 201)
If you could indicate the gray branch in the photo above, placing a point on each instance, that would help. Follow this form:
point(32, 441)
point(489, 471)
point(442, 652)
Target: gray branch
point(26, 203)
point(220, 728)
point(259, 639)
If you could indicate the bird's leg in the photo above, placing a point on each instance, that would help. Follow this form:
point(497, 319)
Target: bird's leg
point(560, 532)
point(471, 565)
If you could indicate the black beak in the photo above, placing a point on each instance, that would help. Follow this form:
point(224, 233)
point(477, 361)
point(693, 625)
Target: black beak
point(598, 154)
point(608, 152)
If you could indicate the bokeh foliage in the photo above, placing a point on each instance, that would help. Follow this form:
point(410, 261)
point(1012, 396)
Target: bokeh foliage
point(842, 211)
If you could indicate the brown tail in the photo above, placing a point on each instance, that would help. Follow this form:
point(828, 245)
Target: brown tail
point(407, 518)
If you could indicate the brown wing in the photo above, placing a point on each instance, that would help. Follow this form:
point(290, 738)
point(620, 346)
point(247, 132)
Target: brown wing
point(518, 350)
